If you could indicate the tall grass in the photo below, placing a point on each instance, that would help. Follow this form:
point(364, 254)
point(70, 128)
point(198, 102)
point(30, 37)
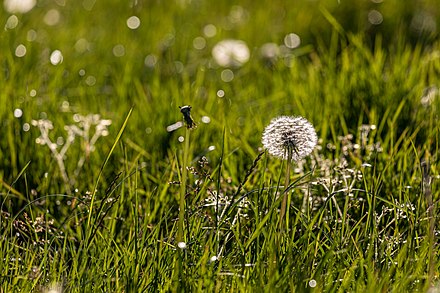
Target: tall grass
point(363, 208)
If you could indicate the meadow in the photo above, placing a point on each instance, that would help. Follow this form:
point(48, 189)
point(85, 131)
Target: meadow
point(103, 188)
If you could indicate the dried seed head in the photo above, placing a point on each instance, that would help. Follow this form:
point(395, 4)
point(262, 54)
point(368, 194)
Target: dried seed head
point(189, 121)
point(289, 137)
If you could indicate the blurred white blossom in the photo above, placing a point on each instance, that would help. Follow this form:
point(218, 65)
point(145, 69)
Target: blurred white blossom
point(19, 6)
point(231, 53)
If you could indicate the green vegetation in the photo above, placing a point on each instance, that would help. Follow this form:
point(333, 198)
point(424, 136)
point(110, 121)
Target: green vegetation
point(94, 205)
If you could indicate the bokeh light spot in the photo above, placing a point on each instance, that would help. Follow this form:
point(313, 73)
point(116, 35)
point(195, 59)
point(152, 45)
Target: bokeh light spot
point(52, 17)
point(56, 57)
point(206, 119)
point(133, 22)
point(292, 41)
point(18, 113)
point(12, 22)
point(91, 80)
point(150, 60)
point(199, 43)
point(119, 50)
point(82, 45)
point(375, 17)
point(227, 75)
point(20, 51)
point(220, 93)
point(26, 127)
point(31, 35)
point(209, 30)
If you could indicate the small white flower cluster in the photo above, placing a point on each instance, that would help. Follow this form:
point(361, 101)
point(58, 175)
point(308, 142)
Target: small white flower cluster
point(82, 129)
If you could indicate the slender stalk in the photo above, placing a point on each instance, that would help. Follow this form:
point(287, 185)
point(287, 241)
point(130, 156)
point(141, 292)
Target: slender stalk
point(180, 232)
point(431, 223)
point(285, 195)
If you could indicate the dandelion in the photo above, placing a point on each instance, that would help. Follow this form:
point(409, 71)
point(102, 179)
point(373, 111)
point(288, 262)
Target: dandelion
point(19, 6)
point(231, 53)
point(289, 137)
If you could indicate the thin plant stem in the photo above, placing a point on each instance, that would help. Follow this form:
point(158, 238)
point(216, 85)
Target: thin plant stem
point(285, 194)
point(180, 232)
point(431, 223)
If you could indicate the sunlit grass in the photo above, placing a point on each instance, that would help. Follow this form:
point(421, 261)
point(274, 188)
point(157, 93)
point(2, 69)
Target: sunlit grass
point(103, 215)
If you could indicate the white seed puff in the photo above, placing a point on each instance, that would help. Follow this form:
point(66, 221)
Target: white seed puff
point(286, 135)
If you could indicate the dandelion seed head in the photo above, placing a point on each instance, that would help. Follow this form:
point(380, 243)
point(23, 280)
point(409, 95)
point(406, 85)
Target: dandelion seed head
point(231, 53)
point(286, 134)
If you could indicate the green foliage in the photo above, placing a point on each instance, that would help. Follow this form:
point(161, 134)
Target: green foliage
point(105, 216)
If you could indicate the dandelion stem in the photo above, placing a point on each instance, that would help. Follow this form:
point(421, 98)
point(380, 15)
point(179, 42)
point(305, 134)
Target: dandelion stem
point(285, 194)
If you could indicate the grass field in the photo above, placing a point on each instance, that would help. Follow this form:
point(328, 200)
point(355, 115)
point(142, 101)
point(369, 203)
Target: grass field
point(103, 190)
